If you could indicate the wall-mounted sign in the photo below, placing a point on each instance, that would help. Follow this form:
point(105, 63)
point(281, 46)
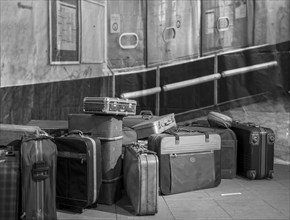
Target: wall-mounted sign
point(115, 23)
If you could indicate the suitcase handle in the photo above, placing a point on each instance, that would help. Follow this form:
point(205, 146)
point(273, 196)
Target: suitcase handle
point(206, 134)
point(146, 114)
point(77, 132)
point(40, 171)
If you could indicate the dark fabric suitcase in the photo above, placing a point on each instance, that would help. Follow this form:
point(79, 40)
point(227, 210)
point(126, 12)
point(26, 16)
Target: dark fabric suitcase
point(9, 185)
point(111, 187)
point(13, 133)
point(188, 160)
point(217, 119)
point(55, 128)
point(108, 105)
point(79, 171)
point(228, 147)
point(97, 125)
point(141, 170)
point(38, 176)
point(154, 125)
point(255, 158)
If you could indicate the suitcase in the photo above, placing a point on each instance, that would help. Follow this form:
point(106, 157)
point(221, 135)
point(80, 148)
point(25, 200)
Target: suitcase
point(155, 125)
point(255, 156)
point(9, 185)
point(78, 171)
point(188, 160)
point(14, 133)
point(141, 179)
point(107, 105)
point(97, 125)
point(144, 115)
point(228, 147)
point(111, 187)
point(38, 176)
point(217, 119)
point(55, 128)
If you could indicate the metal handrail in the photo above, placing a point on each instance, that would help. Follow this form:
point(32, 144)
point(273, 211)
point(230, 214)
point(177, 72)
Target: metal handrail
point(191, 82)
point(141, 93)
point(247, 69)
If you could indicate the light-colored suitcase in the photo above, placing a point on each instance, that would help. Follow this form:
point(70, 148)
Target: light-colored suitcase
point(141, 170)
point(155, 125)
point(188, 160)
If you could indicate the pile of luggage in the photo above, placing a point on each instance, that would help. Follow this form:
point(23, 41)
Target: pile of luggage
point(97, 155)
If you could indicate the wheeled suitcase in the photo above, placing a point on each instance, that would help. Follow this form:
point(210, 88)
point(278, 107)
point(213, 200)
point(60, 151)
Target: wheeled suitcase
point(78, 171)
point(55, 128)
point(188, 160)
point(111, 187)
point(97, 125)
point(108, 105)
point(228, 147)
point(155, 125)
point(141, 179)
point(38, 177)
point(9, 185)
point(10, 133)
point(255, 156)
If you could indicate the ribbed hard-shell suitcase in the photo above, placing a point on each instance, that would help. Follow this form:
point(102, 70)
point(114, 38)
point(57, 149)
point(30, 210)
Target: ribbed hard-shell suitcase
point(9, 185)
point(188, 160)
point(255, 158)
point(140, 179)
point(108, 105)
point(228, 147)
point(38, 177)
point(10, 133)
point(111, 187)
point(97, 125)
point(78, 171)
point(54, 128)
point(155, 125)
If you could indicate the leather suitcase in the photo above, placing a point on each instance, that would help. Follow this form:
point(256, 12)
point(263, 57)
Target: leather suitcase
point(14, 133)
point(96, 125)
point(108, 105)
point(38, 177)
point(188, 160)
point(255, 156)
point(9, 185)
point(141, 179)
point(155, 125)
point(111, 187)
point(55, 128)
point(78, 171)
point(228, 147)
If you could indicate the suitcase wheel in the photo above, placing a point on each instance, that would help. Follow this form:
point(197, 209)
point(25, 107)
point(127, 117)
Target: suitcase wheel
point(251, 174)
point(271, 174)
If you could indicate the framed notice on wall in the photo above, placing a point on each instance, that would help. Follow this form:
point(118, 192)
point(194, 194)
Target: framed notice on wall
point(64, 31)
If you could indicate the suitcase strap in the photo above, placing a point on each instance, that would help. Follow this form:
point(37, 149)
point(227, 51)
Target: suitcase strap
point(40, 170)
point(192, 131)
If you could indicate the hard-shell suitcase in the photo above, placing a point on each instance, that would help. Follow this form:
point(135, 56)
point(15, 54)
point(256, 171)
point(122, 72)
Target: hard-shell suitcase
point(111, 187)
point(54, 128)
point(228, 147)
point(188, 160)
point(144, 115)
point(9, 185)
point(97, 125)
point(11, 132)
point(38, 177)
point(78, 172)
point(155, 125)
point(255, 156)
point(141, 179)
point(108, 105)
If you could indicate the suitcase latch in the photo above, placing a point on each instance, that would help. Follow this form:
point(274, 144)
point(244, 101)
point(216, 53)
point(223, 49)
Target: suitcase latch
point(40, 170)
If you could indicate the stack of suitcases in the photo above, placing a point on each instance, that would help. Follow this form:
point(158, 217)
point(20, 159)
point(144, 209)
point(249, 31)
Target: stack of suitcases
point(95, 155)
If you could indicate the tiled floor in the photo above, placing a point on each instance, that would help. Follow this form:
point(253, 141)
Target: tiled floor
point(236, 198)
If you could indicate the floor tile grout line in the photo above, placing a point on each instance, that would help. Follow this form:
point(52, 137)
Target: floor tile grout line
point(216, 202)
point(274, 208)
point(168, 208)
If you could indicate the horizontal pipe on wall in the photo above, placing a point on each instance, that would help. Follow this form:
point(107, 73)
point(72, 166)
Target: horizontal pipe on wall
point(247, 69)
point(191, 82)
point(141, 93)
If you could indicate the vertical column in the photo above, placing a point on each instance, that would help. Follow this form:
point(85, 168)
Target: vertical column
point(157, 100)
